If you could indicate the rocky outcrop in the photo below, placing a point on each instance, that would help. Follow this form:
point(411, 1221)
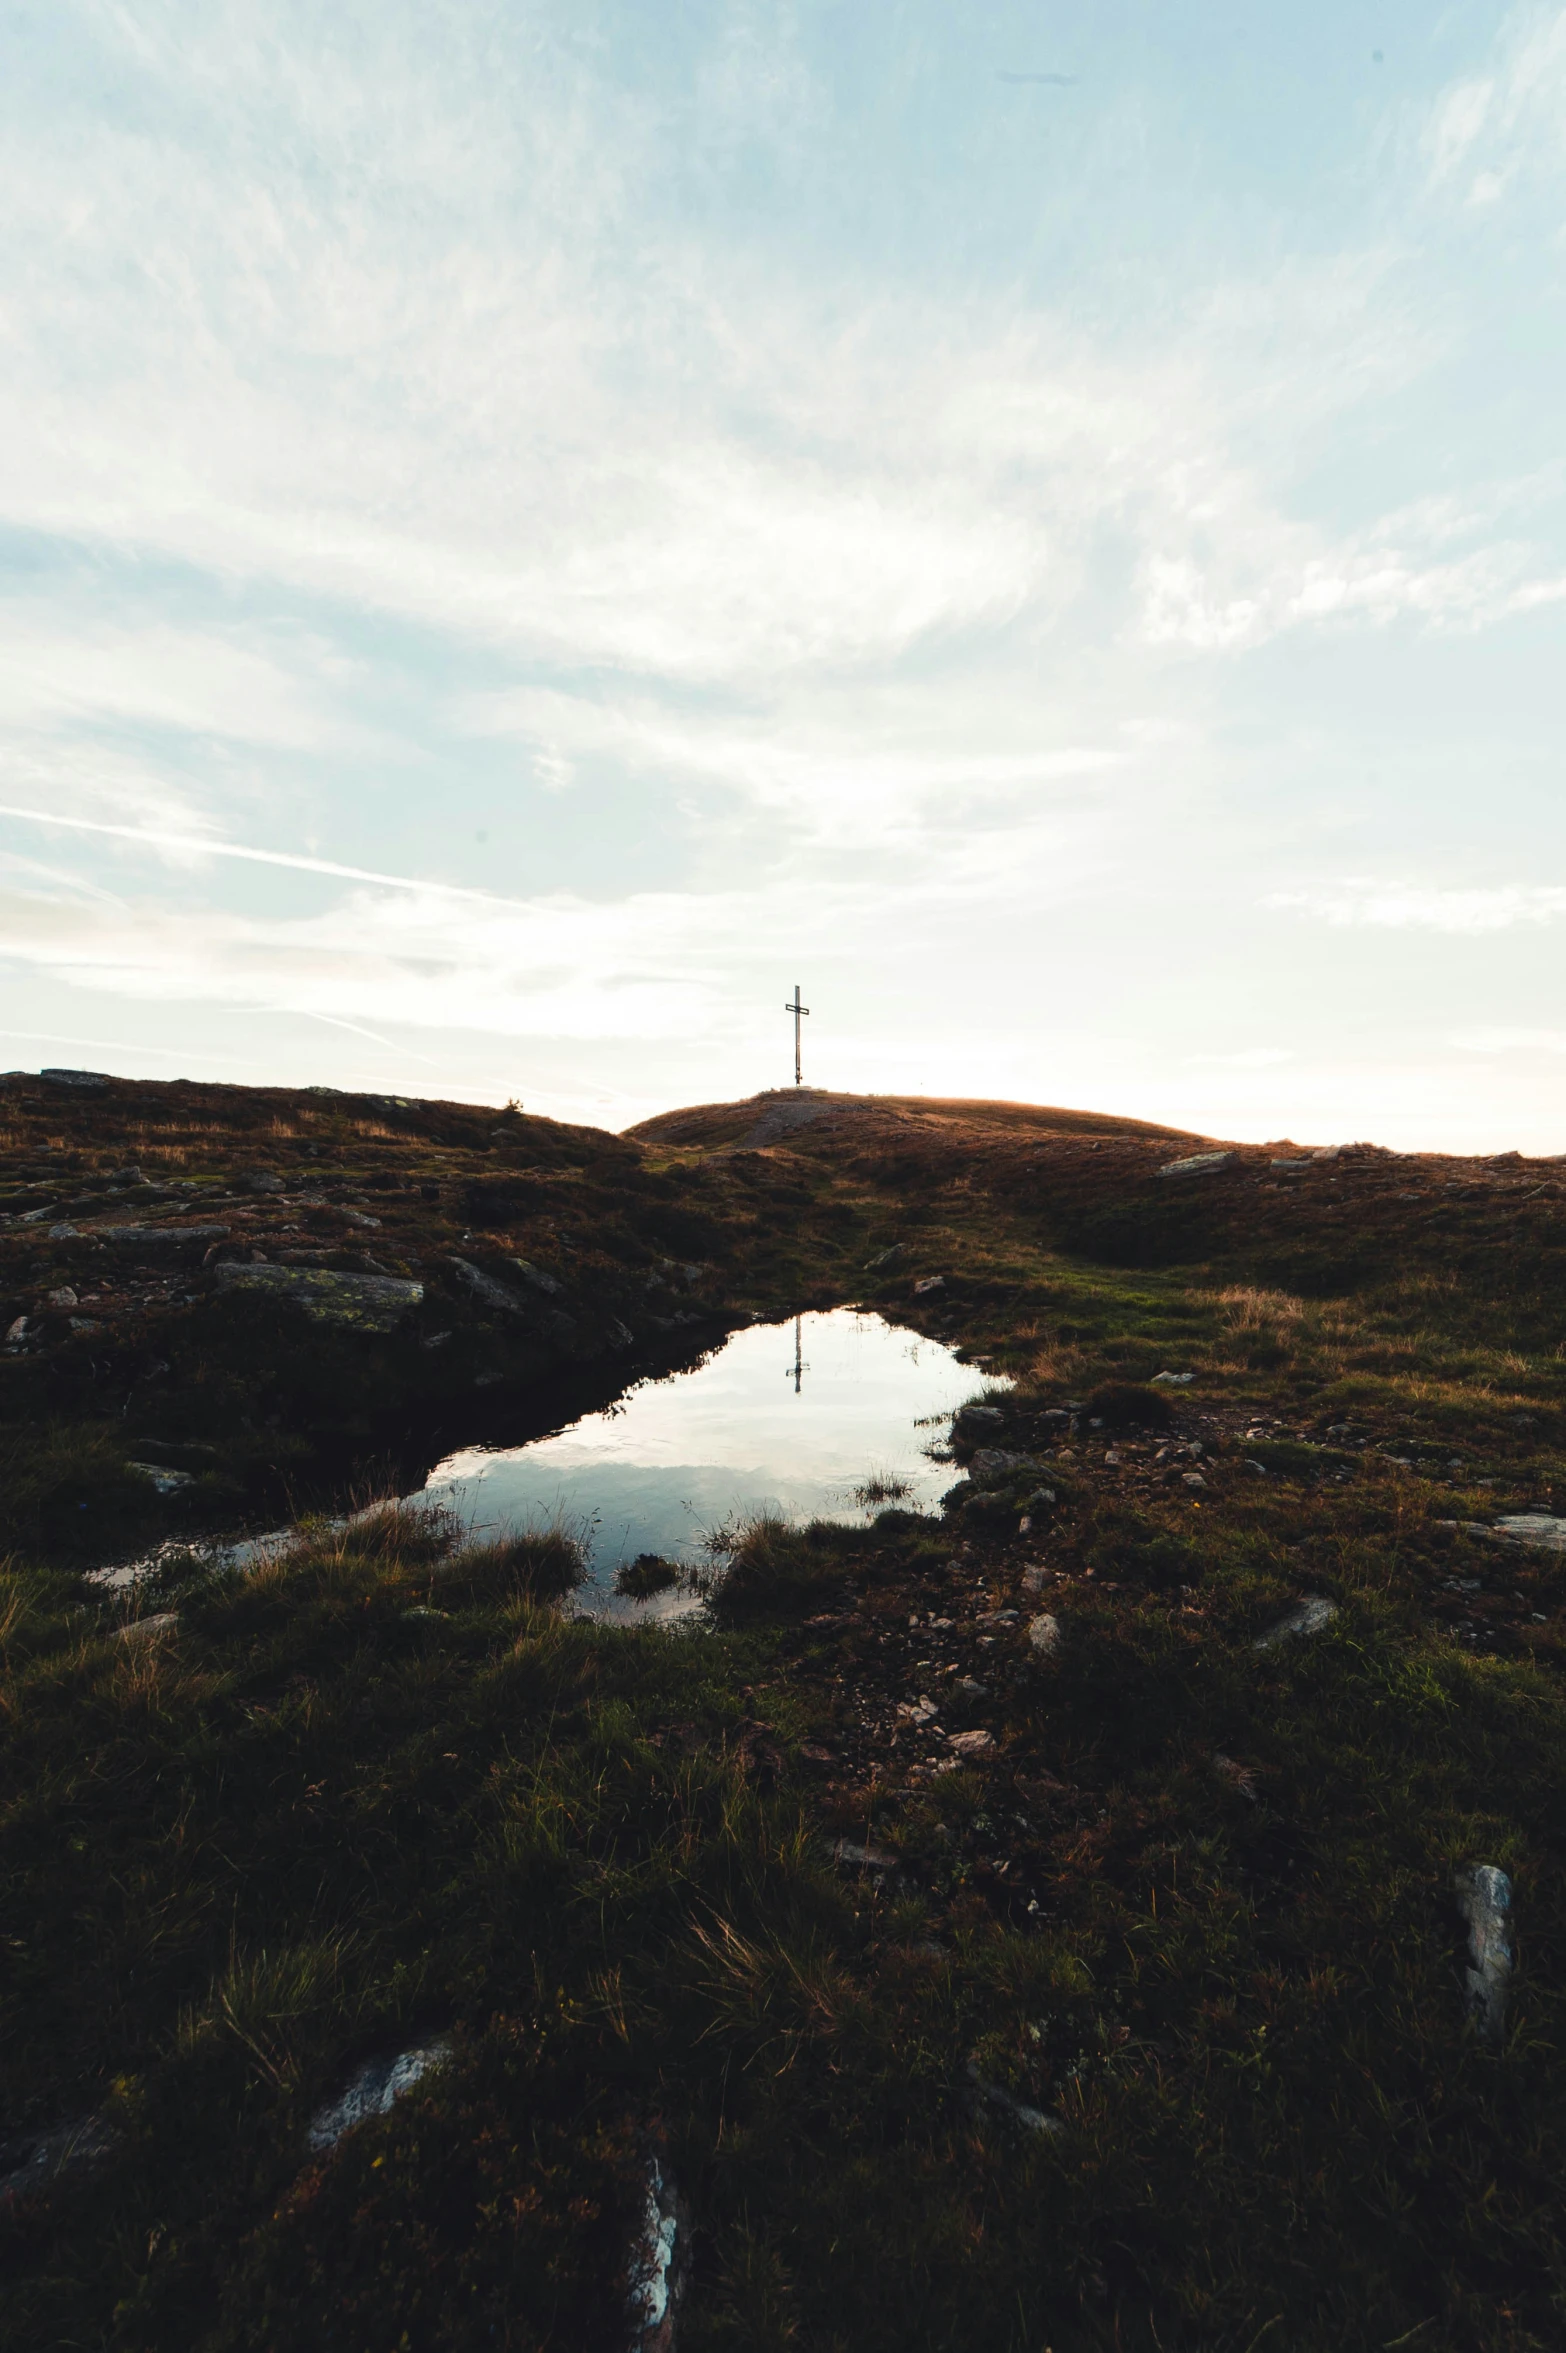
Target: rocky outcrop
point(366, 1303)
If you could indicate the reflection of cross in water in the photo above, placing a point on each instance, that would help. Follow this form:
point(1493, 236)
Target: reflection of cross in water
point(798, 1366)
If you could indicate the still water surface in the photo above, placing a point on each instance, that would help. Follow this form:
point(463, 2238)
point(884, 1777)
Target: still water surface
point(827, 1414)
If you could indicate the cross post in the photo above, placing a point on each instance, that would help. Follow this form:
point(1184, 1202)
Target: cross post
point(797, 1009)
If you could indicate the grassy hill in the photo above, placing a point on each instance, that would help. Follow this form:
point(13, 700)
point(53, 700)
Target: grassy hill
point(979, 1982)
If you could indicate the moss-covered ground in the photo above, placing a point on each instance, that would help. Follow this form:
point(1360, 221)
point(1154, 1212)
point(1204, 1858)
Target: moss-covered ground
point(1188, 1901)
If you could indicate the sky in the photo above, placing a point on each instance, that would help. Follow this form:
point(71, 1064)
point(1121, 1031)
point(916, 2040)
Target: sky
point(525, 530)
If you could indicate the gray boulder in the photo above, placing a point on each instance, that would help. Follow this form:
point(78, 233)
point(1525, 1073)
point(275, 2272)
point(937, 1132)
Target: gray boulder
point(365, 1303)
point(992, 1466)
point(485, 1291)
point(1196, 1164)
point(161, 1243)
point(538, 1278)
point(1540, 1531)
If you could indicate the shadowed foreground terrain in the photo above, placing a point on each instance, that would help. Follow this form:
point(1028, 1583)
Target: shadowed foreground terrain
point(1034, 1925)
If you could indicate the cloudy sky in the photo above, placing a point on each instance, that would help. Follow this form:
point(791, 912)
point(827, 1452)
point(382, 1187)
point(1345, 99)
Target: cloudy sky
point(528, 528)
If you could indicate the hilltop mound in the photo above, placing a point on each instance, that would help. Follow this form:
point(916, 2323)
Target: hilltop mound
point(767, 1118)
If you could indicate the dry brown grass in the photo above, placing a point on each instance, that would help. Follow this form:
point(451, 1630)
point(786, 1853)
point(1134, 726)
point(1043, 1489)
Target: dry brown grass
point(1246, 1306)
point(1059, 1365)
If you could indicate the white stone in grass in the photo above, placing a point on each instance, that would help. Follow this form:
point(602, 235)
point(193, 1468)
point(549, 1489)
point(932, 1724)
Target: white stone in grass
point(148, 1629)
point(374, 2088)
point(1484, 1897)
point(994, 2095)
point(32, 2160)
point(1307, 1617)
point(657, 2264)
point(1196, 1164)
point(863, 1858)
point(166, 1482)
point(1044, 1634)
point(1172, 1380)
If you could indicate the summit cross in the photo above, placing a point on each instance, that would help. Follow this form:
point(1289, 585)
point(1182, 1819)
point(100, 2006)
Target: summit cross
point(797, 1009)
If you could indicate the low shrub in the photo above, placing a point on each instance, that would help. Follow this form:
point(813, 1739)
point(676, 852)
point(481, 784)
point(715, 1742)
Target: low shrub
point(1127, 1405)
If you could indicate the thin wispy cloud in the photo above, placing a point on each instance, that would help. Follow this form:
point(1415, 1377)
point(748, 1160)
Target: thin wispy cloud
point(1398, 906)
point(188, 846)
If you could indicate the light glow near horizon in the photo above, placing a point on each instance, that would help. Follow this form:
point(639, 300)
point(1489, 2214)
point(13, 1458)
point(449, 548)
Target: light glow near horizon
point(526, 530)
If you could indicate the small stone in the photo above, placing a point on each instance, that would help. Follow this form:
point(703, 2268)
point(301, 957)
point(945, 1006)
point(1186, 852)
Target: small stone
point(537, 1277)
point(929, 1283)
point(863, 1858)
point(63, 1297)
point(884, 1258)
point(1044, 1634)
point(165, 1481)
point(372, 2090)
point(16, 1333)
point(657, 2266)
point(148, 1629)
point(1030, 2118)
point(1196, 1164)
point(972, 1744)
point(972, 1688)
point(1192, 1479)
point(88, 1080)
point(485, 1290)
point(1238, 1774)
point(1172, 1380)
point(1307, 1617)
point(1484, 1897)
point(30, 2161)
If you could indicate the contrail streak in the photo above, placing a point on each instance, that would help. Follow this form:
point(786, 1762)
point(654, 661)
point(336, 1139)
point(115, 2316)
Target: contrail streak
point(198, 845)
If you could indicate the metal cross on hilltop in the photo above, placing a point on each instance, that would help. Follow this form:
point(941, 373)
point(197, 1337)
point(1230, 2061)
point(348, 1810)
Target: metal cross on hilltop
point(797, 1009)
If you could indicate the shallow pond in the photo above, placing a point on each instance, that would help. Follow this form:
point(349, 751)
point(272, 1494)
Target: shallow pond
point(828, 1414)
